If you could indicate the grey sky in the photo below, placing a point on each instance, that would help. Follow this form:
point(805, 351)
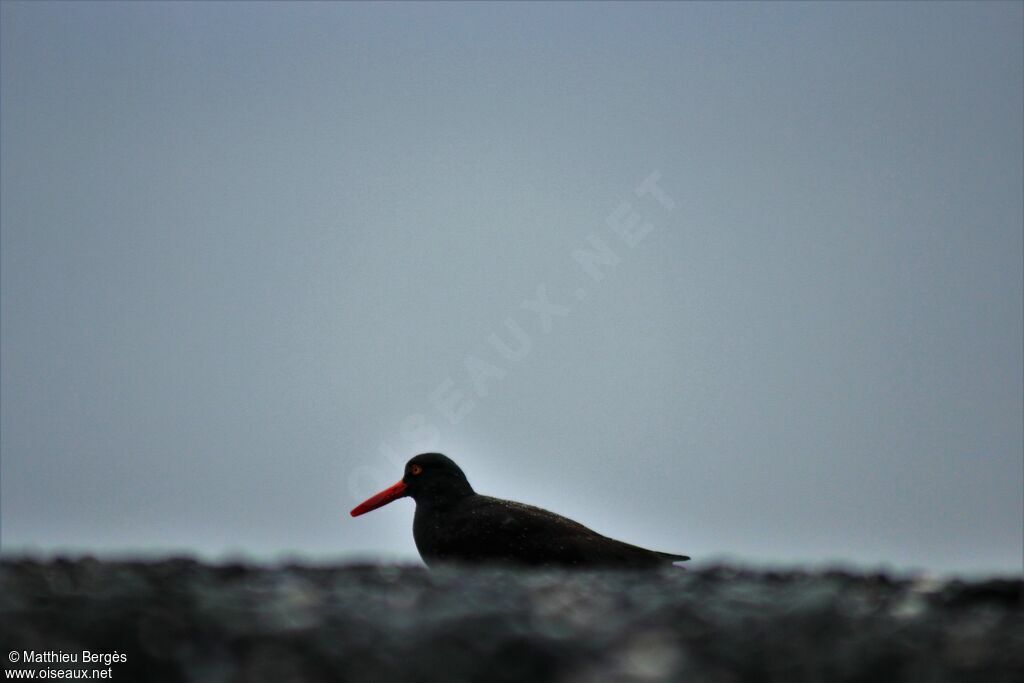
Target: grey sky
point(242, 245)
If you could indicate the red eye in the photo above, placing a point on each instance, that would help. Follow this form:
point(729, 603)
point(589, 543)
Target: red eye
point(415, 469)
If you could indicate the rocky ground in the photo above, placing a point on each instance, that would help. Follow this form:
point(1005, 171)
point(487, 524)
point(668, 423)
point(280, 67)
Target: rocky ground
point(181, 620)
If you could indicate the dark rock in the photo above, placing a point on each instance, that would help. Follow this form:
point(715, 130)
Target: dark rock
point(180, 620)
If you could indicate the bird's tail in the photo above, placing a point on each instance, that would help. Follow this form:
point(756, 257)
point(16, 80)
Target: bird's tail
point(671, 557)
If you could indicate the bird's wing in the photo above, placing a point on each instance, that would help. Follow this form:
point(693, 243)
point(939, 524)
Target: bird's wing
point(496, 529)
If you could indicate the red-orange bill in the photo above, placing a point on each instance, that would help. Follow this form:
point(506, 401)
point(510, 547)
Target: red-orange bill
point(380, 500)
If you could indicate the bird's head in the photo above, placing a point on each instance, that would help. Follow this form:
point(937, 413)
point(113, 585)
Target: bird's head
point(430, 478)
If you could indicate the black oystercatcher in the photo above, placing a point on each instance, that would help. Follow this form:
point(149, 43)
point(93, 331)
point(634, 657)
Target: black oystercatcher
point(455, 524)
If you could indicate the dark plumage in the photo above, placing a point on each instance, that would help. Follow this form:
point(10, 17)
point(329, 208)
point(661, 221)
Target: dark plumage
point(453, 523)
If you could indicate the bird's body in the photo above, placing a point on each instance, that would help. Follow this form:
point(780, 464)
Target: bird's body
point(454, 524)
point(481, 529)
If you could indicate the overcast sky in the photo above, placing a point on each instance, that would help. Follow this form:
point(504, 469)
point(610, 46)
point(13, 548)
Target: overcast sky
point(733, 280)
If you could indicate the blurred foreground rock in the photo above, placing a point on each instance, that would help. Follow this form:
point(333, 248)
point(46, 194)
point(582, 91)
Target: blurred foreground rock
point(181, 620)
